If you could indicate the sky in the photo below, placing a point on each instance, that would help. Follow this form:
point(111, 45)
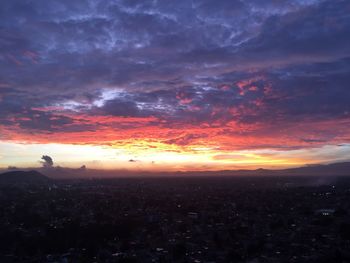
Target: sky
point(174, 85)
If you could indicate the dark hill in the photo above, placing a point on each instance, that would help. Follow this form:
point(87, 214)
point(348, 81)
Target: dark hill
point(23, 177)
point(334, 169)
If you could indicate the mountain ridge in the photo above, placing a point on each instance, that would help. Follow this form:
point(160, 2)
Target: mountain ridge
point(333, 169)
point(20, 177)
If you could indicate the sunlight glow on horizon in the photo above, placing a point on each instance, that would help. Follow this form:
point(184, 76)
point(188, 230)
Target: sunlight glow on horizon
point(175, 87)
point(130, 157)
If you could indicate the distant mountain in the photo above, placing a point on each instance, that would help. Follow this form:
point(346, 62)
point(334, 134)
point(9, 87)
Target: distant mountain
point(334, 169)
point(34, 176)
point(23, 177)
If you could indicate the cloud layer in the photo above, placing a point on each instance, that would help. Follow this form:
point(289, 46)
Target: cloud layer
point(229, 74)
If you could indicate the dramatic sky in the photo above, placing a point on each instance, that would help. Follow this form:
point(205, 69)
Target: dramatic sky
point(174, 85)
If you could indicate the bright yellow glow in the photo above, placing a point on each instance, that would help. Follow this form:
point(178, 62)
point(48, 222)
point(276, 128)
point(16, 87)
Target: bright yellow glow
point(153, 156)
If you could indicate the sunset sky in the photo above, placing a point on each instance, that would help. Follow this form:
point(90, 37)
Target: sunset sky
point(174, 85)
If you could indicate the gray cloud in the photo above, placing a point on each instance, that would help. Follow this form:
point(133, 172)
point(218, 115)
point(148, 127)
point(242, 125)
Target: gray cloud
point(182, 62)
point(47, 161)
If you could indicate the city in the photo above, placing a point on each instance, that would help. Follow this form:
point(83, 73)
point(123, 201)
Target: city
point(183, 219)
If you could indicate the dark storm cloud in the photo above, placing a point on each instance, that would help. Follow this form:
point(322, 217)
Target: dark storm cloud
point(200, 61)
point(120, 107)
point(317, 32)
point(47, 161)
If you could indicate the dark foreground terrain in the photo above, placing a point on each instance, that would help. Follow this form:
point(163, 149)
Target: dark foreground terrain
point(199, 219)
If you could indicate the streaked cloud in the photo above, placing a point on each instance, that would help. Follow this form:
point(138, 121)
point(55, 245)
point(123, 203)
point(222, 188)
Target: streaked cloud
point(176, 75)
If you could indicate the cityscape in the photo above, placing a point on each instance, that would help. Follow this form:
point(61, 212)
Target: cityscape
point(180, 131)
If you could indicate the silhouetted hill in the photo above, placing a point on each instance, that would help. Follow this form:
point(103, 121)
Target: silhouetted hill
point(334, 169)
point(23, 177)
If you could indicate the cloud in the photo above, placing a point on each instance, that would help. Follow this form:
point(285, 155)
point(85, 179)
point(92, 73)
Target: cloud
point(47, 161)
point(317, 32)
point(119, 107)
point(233, 74)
